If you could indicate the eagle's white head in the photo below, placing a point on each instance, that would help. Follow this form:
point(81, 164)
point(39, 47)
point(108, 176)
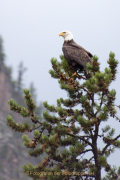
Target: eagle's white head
point(67, 35)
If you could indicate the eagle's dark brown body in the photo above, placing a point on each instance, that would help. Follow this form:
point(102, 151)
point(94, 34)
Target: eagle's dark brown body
point(76, 55)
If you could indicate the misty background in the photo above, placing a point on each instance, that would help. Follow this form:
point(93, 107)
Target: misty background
point(30, 31)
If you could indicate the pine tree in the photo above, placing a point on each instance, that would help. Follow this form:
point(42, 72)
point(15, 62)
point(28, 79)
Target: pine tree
point(33, 91)
point(2, 55)
point(75, 126)
point(21, 71)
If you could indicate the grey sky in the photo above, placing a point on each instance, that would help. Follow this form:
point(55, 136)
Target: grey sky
point(30, 32)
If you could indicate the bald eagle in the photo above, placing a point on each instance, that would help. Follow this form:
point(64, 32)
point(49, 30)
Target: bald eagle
point(76, 55)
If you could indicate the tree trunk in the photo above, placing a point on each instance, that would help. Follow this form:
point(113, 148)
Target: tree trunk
point(98, 173)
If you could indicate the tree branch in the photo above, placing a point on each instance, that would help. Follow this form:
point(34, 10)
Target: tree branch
point(110, 143)
point(81, 138)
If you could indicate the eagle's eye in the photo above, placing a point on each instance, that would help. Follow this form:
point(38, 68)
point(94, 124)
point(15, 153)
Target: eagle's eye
point(64, 32)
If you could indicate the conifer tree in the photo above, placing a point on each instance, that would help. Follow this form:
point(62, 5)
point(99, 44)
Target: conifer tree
point(33, 91)
point(21, 71)
point(75, 126)
point(2, 55)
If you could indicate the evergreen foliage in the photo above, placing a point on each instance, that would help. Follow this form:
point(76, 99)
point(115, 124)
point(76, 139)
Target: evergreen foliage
point(76, 125)
point(2, 55)
point(33, 91)
point(21, 71)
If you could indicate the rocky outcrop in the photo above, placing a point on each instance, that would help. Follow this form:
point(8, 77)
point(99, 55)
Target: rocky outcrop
point(13, 154)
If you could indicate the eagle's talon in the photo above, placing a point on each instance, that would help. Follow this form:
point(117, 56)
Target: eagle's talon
point(75, 74)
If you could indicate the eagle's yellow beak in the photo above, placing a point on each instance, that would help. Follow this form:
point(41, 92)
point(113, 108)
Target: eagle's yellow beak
point(61, 34)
